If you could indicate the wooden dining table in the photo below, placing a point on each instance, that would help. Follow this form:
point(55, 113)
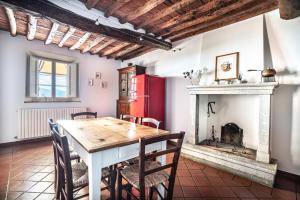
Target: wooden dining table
point(105, 141)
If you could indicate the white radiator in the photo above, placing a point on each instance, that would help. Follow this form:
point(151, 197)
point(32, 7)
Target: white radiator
point(33, 122)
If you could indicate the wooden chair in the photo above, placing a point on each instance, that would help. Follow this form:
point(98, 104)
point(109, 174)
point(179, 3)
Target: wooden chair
point(150, 174)
point(150, 122)
point(129, 118)
point(72, 178)
point(87, 114)
point(73, 155)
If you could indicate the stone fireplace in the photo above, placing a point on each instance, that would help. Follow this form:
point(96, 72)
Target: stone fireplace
point(228, 151)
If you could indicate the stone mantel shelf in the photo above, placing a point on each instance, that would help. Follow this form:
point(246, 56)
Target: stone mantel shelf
point(247, 88)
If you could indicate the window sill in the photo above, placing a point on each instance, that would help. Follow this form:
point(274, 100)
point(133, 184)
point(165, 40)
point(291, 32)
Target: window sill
point(51, 100)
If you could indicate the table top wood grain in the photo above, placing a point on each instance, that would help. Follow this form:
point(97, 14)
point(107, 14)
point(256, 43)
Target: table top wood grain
point(107, 132)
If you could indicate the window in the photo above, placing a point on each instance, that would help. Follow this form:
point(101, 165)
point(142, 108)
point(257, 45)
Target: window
point(51, 80)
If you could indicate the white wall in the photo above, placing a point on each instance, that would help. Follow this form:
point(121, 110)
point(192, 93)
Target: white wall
point(247, 38)
point(13, 51)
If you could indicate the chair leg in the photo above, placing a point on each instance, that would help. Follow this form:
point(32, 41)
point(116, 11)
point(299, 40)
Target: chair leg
point(112, 183)
point(151, 193)
point(128, 197)
point(57, 185)
point(119, 186)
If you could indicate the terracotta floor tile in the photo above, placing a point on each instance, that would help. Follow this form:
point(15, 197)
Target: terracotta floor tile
point(283, 194)
point(49, 169)
point(45, 197)
point(260, 191)
point(186, 181)
point(20, 186)
point(242, 192)
point(196, 172)
point(49, 177)
point(209, 171)
point(201, 181)
point(191, 192)
point(22, 175)
point(50, 189)
point(39, 187)
point(242, 181)
point(208, 192)
point(225, 192)
point(28, 196)
point(37, 176)
point(182, 172)
point(216, 181)
point(13, 195)
point(177, 191)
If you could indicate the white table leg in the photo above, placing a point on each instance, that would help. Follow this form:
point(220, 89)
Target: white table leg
point(162, 160)
point(95, 166)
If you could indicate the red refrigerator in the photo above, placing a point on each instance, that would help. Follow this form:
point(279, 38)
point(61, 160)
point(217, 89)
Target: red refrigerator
point(147, 97)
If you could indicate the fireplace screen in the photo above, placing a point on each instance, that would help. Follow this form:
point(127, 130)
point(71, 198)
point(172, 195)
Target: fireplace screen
point(232, 134)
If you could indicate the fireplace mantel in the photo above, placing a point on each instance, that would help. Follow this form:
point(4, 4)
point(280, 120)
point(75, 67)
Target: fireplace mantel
point(248, 88)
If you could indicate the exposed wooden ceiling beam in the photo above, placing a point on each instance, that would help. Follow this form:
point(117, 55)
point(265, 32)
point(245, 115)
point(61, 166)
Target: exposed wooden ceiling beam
point(32, 25)
point(116, 5)
point(235, 16)
point(123, 51)
point(92, 44)
point(46, 8)
point(70, 32)
point(114, 49)
point(12, 21)
point(289, 9)
point(52, 33)
point(167, 11)
point(80, 41)
point(91, 3)
point(187, 16)
point(218, 11)
point(149, 5)
point(135, 53)
point(104, 45)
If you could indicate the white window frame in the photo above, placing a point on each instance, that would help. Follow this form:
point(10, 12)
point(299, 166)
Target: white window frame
point(53, 98)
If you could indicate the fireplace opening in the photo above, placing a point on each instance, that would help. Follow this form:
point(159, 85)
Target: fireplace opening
point(231, 141)
point(232, 134)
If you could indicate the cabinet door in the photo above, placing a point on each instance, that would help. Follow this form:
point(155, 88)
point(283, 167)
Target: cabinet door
point(123, 107)
point(123, 85)
point(130, 75)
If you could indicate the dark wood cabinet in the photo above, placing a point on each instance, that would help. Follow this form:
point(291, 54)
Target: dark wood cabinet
point(125, 76)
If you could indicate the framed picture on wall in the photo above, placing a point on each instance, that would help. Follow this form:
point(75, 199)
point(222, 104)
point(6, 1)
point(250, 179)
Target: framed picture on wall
point(227, 66)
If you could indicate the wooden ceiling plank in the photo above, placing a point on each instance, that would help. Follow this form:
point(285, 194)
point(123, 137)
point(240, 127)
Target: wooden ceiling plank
point(253, 11)
point(80, 41)
point(49, 9)
point(93, 43)
point(104, 45)
point(289, 9)
point(91, 3)
point(218, 12)
point(70, 32)
point(149, 5)
point(123, 51)
point(116, 5)
point(167, 11)
point(32, 26)
point(12, 21)
point(114, 49)
point(52, 33)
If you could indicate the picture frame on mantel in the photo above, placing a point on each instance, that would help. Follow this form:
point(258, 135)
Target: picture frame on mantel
point(227, 66)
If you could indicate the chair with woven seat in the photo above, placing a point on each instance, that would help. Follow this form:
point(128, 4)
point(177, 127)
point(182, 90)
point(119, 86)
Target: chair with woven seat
point(85, 114)
point(72, 178)
point(129, 118)
point(148, 121)
point(150, 174)
point(73, 154)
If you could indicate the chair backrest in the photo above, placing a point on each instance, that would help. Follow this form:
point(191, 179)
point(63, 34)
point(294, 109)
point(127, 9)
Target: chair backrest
point(87, 114)
point(150, 122)
point(53, 126)
point(143, 157)
point(129, 118)
point(64, 165)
